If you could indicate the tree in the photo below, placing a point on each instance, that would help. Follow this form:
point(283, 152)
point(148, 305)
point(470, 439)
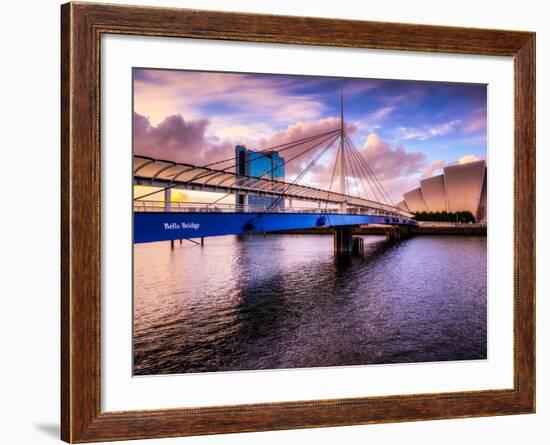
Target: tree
point(461, 217)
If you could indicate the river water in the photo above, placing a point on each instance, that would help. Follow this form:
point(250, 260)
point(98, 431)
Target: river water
point(286, 301)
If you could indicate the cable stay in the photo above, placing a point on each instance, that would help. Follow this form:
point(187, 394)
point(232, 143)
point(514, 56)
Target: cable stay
point(302, 174)
point(288, 146)
point(365, 174)
point(363, 161)
point(332, 177)
point(274, 147)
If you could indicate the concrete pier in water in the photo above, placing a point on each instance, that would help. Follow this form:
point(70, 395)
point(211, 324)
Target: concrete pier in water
point(345, 242)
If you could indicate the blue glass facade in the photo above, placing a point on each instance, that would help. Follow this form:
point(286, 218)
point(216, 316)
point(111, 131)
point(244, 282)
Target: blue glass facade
point(268, 165)
point(262, 165)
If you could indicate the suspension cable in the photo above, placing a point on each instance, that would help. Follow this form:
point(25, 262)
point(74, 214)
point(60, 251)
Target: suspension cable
point(375, 178)
point(365, 174)
point(332, 177)
point(359, 176)
point(272, 148)
point(209, 173)
point(302, 174)
point(354, 174)
point(379, 185)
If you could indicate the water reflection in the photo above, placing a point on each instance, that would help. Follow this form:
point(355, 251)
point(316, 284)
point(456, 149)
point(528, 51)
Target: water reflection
point(286, 301)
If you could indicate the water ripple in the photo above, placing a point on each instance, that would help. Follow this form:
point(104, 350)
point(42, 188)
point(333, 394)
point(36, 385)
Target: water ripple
point(288, 302)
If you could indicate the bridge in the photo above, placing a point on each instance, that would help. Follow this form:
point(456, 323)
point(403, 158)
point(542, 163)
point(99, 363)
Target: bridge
point(363, 202)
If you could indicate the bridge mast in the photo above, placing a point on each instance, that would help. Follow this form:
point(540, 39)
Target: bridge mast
point(342, 156)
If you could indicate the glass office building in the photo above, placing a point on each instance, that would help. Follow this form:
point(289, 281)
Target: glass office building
point(268, 165)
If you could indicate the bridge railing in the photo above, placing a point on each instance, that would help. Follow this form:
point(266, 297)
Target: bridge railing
point(186, 207)
point(450, 224)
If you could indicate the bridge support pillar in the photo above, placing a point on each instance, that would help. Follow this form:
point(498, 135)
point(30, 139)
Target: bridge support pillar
point(167, 199)
point(393, 233)
point(343, 240)
point(242, 202)
point(397, 233)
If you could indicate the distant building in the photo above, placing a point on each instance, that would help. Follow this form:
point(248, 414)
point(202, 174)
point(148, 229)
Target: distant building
point(415, 200)
point(267, 165)
point(461, 187)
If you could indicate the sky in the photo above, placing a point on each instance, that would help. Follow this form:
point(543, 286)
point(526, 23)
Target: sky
point(406, 130)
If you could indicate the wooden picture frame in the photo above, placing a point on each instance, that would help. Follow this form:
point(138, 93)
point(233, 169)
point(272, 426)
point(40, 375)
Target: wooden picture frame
point(82, 26)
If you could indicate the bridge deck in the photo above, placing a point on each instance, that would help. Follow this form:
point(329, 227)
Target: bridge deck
point(162, 226)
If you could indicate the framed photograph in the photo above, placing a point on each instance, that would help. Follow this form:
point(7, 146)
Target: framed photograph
point(275, 222)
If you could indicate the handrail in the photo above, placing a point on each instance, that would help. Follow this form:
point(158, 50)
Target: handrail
point(187, 207)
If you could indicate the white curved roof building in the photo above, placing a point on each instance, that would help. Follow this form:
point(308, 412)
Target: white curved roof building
point(461, 187)
point(433, 192)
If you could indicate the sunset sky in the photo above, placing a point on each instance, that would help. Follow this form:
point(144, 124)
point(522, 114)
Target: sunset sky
point(406, 130)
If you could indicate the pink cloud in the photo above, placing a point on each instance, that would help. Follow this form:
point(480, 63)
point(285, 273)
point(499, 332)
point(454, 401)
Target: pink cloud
point(179, 140)
point(160, 93)
point(397, 186)
point(388, 162)
point(393, 167)
point(433, 167)
point(301, 130)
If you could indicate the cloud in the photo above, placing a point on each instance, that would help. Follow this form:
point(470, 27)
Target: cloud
point(388, 162)
point(394, 167)
point(477, 121)
point(381, 113)
point(371, 122)
point(177, 139)
point(301, 130)
point(468, 158)
point(397, 186)
point(159, 93)
point(433, 167)
point(226, 127)
point(427, 132)
point(354, 88)
point(440, 164)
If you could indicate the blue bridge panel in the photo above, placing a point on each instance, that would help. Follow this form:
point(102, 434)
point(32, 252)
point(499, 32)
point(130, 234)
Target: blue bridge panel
point(163, 226)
